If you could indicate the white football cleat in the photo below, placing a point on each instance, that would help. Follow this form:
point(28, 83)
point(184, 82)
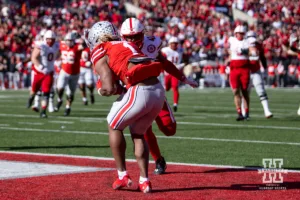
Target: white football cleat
point(268, 115)
point(51, 108)
point(298, 112)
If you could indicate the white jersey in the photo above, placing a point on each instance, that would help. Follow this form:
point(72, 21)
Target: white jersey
point(151, 46)
point(174, 56)
point(236, 47)
point(48, 54)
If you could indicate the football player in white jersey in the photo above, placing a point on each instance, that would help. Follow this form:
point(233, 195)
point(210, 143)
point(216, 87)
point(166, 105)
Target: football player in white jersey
point(132, 30)
point(43, 56)
point(40, 38)
point(239, 71)
point(173, 54)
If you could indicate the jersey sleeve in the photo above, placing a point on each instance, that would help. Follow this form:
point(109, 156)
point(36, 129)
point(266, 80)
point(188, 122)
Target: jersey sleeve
point(97, 54)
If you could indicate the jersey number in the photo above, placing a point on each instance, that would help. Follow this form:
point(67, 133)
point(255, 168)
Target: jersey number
point(67, 57)
point(174, 59)
point(50, 57)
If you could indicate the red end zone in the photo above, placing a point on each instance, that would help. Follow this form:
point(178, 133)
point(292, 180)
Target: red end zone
point(180, 182)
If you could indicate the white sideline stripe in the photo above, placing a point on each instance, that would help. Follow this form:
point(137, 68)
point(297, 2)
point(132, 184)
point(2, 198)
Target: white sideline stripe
point(31, 123)
point(4, 124)
point(95, 119)
point(133, 160)
point(21, 169)
point(240, 125)
point(61, 122)
point(159, 136)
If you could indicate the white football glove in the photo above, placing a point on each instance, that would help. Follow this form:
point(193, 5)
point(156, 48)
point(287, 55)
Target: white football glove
point(42, 69)
point(191, 82)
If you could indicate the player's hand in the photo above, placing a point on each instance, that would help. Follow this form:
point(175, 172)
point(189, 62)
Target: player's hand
point(42, 69)
point(191, 82)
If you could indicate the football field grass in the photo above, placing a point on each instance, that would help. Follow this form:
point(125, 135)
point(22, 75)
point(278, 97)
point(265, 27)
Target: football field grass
point(207, 132)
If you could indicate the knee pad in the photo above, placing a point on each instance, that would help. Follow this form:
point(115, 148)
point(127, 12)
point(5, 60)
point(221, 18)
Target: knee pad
point(70, 98)
point(263, 97)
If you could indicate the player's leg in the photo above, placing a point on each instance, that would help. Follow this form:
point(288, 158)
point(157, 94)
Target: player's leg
point(262, 94)
point(62, 81)
point(71, 88)
point(235, 87)
point(82, 85)
point(175, 85)
point(139, 116)
point(46, 88)
point(89, 79)
point(245, 81)
point(36, 81)
point(155, 151)
point(166, 120)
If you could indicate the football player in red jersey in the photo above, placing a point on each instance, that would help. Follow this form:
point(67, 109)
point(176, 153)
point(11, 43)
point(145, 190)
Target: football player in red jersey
point(86, 78)
point(69, 74)
point(132, 30)
point(115, 60)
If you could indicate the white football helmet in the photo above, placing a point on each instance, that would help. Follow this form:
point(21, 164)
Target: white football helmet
point(173, 40)
point(97, 33)
point(239, 29)
point(132, 26)
point(49, 35)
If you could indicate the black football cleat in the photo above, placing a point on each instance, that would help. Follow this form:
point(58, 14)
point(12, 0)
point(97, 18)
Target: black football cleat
point(240, 118)
point(85, 103)
point(161, 166)
point(43, 114)
point(58, 105)
point(92, 99)
point(175, 108)
point(67, 111)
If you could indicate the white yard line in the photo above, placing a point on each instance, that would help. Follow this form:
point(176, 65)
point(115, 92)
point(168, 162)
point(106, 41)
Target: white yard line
point(132, 160)
point(95, 119)
point(4, 124)
point(61, 122)
point(31, 123)
point(165, 137)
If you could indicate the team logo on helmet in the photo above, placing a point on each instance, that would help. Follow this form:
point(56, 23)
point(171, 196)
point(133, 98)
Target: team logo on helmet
point(151, 48)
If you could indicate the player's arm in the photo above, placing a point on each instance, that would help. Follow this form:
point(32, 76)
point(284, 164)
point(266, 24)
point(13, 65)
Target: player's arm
point(169, 67)
point(35, 57)
point(107, 84)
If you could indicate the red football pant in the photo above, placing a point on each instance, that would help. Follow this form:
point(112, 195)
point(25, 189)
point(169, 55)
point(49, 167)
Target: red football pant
point(167, 124)
point(42, 81)
point(172, 82)
point(239, 77)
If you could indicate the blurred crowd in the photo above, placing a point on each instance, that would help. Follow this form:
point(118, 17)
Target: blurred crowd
point(203, 33)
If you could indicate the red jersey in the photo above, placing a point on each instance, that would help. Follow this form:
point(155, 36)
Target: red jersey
point(119, 53)
point(70, 57)
point(85, 57)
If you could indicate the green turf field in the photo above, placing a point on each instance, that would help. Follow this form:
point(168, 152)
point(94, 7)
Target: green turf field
point(207, 131)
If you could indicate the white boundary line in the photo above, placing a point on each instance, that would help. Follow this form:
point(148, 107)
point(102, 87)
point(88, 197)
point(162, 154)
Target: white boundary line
point(132, 160)
point(31, 123)
point(165, 137)
point(244, 125)
point(61, 122)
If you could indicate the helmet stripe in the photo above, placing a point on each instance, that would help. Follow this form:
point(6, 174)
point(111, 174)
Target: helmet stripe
point(130, 24)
